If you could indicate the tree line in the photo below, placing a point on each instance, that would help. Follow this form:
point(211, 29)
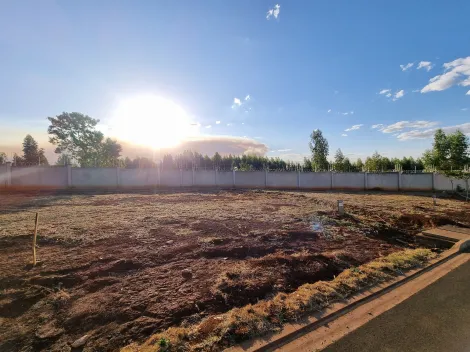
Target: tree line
point(78, 142)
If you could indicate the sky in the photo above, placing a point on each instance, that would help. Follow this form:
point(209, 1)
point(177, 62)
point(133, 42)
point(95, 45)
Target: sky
point(247, 76)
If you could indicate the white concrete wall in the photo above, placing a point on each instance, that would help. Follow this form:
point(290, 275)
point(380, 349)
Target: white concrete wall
point(204, 178)
point(170, 178)
point(225, 179)
point(282, 179)
point(349, 180)
point(315, 180)
point(94, 177)
point(187, 177)
point(39, 176)
point(416, 182)
point(138, 177)
point(386, 182)
point(442, 183)
point(250, 179)
point(57, 177)
point(3, 176)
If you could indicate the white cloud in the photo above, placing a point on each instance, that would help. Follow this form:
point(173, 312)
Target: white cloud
point(355, 127)
point(329, 110)
point(237, 101)
point(385, 91)
point(208, 126)
point(407, 66)
point(230, 124)
point(379, 125)
point(247, 97)
point(455, 72)
point(217, 122)
point(468, 93)
point(389, 95)
point(344, 135)
point(464, 109)
point(351, 112)
point(284, 150)
point(274, 12)
point(427, 65)
point(417, 134)
point(345, 113)
point(416, 90)
point(243, 123)
point(401, 125)
point(398, 95)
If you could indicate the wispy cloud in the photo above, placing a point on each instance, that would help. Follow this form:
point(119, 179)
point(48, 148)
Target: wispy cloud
point(464, 109)
point(329, 110)
point(274, 12)
point(236, 102)
point(284, 150)
point(209, 126)
point(429, 133)
point(468, 93)
point(230, 124)
point(217, 122)
point(385, 91)
point(345, 113)
point(351, 112)
point(354, 127)
point(401, 125)
point(427, 65)
point(455, 72)
point(407, 66)
point(379, 125)
point(399, 95)
point(388, 95)
point(247, 97)
point(344, 135)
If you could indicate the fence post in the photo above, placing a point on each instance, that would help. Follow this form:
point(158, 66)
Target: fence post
point(365, 181)
point(433, 181)
point(399, 180)
point(298, 179)
point(331, 183)
point(8, 174)
point(118, 177)
point(69, 175)
point(265, 178)
point(233, 178)
point(215, 176)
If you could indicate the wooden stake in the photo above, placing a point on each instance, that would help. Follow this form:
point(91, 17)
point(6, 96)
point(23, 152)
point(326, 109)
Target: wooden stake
point(34, 238)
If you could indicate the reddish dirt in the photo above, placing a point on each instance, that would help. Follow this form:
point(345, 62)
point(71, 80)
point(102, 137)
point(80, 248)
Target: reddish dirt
point(111, 265)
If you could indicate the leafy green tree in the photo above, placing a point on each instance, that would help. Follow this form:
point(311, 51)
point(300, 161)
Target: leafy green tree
point(320, 150)
point(64, 159)
point(109, 153)
point(75, 134)
point(449, 152)
point(359, 165)
point(32, 155)
point(339, 160)
point(3, 158)
point(307, 164)
point(347, 166)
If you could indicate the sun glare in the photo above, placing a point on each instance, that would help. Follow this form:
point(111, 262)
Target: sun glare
point(153, 121)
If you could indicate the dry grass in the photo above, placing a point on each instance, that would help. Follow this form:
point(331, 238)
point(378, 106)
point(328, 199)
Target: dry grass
point(217, 332)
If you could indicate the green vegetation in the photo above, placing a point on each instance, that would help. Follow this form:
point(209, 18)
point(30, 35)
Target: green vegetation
point(218, 332)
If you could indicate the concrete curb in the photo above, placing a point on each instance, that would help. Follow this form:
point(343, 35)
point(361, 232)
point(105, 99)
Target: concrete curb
point(291, 332)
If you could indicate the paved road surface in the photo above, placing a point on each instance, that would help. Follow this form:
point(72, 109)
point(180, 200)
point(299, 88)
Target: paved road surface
point(435, 319)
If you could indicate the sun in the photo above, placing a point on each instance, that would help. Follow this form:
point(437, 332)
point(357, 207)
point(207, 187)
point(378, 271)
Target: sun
point(152, 121)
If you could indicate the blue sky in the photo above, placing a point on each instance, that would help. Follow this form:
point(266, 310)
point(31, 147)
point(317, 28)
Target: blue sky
point(296, 61)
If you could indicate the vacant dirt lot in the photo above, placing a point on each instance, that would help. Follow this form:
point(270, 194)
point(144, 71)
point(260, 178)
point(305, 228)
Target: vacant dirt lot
point(111, 265)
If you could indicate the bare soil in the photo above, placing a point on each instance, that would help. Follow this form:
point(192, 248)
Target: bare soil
point(111, 264)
